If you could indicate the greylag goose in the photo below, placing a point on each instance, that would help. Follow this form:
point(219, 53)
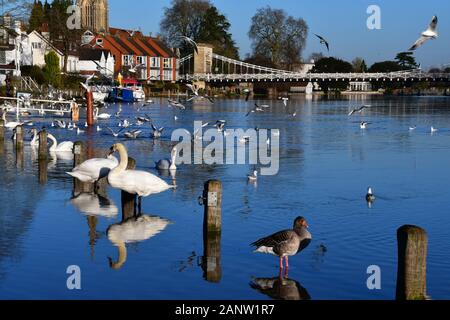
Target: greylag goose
point(286, 243)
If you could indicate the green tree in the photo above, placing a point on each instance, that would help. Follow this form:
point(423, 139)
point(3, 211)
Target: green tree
point(52, 71)
point(214, 30)
point(406, 60)
point(385, 66)
point(278, 37)
point(332, 65)
point(37, 16)
point(359, 65)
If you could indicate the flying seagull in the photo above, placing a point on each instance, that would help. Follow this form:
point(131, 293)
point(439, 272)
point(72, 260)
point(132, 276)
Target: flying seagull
point(257, 108)
point(431, 33)
point(323, 41)
point(190, 42)
point(357, 110)
point(247, 94)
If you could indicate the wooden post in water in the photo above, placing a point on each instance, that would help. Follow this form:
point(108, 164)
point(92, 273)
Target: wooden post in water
point(212, 231)
point(2, 131)
point(212, 195)
point(90, 108)
point(19, 137)
point(129, 200)
point(412, 263)
point(43, 145)
point(79, 152)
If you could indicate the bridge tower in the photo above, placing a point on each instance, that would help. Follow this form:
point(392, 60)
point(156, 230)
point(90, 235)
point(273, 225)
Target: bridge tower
point(203, 61)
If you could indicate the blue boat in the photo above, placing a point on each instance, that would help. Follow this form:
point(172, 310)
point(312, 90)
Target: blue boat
point(120, 94)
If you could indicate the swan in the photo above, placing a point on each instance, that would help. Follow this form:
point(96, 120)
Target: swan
point(35, 140)
point(168, 164)
point(253, 177)
point(66, 146)
point(136, 229)
point(102, 116)
point(141, 183)
point(94, 169)
point(370, 197)
point(10, 125)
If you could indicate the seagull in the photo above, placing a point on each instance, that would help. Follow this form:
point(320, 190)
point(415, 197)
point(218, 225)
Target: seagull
point(434, 130)
point(323, 41)
point(99, 129)
point(79, 131)
point(257, 108)
point(176, 104)
point(363, 125)
point(157, 132)
point(247, 94)
point(193, 89)
point(190, 42)
point(133, 134)
point(285, 101)
point(412, 128)
point(370, 197)
point(220, 125)
point(357, 110)
point(430, 33)
point(253, 177)
point(115, 135)
point(142, 119)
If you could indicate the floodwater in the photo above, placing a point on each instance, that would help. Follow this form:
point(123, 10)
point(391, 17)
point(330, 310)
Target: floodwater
point(326, 164)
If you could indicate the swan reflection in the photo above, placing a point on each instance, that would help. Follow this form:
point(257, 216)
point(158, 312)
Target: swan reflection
point(133, 230)
point(95, 205)
point(280, 288)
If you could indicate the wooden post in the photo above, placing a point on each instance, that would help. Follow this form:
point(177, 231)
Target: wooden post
point(79, 152)
point(90, 108)
point(212, 231)
point(412, 263)
point(2, 131)
point(43, 145)
point(212, 195)
point(19, 137)
point(43, 169)
point(129, 200)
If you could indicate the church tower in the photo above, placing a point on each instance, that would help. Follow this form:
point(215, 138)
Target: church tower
point(94, 15)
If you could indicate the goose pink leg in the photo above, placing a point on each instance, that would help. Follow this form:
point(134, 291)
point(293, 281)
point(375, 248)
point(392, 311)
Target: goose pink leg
point(281, 263)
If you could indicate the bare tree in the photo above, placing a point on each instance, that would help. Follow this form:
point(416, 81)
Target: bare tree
point(18, 9)
point(278, 37)
point(183, 18)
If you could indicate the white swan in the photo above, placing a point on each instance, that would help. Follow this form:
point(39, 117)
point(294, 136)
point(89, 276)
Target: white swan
point(133, 230)
point(168, 164)
point(10, 125)
point(94, 169)
point(102, 116)
point(35, 140)
point(66, 146)
point(141, 183)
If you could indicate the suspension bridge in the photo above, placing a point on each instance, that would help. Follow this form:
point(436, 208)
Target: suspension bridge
point(210, 67)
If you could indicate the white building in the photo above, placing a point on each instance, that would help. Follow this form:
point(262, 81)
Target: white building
point(360, 86)
point(92, 61)
point(12, 43)
point(40, 46)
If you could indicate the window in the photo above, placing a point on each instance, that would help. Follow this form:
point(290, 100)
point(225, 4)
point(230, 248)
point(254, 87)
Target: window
point(141, 60)
point(167, 75)
point(154, 62)
point(37, 45)
point(128, 60)
point(4, 38)
point(167, 63)
point(154, 75)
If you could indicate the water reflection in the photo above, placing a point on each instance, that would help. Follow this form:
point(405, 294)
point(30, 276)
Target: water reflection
point(280, 288)
point(211, 260)
point(133, 230)
point(95, 205)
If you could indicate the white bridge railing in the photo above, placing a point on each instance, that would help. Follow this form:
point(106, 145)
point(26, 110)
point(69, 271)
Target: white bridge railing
point(313, 77)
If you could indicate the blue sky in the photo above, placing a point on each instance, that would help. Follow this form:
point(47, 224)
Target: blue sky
point(342, 22)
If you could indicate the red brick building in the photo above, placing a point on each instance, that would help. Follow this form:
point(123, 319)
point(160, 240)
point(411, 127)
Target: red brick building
point(151, 58)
